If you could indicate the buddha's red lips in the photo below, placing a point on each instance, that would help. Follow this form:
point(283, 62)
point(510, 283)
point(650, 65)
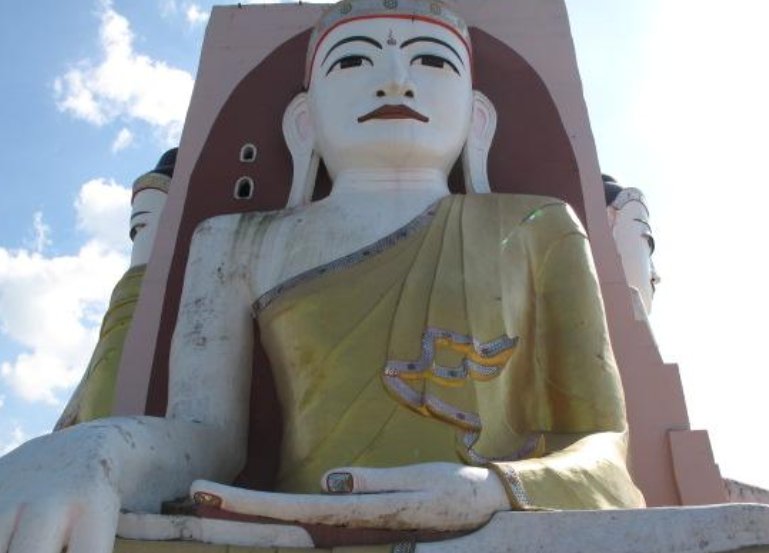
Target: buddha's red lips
point(393, 112)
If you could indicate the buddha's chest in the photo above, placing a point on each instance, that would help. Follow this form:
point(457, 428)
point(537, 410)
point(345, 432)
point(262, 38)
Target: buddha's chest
point(304, 240)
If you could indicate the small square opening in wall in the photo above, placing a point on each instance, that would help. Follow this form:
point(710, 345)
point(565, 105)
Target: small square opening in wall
point(244, 188)
point(248, 153)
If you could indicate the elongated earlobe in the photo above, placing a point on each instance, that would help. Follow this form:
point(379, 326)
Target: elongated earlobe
point(476, 153)
point(299, 134)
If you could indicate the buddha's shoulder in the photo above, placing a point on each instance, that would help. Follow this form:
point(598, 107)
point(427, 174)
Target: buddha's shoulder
point(527, 210)
point(236, 225)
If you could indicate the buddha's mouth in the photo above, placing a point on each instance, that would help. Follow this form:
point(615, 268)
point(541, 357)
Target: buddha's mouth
point(393, 112)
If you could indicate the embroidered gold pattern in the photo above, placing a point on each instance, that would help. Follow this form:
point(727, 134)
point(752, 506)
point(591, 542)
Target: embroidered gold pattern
point(481, 362)
point(534, 446)
point(516, 493)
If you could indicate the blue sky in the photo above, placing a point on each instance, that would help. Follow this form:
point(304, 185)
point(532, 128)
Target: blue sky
point(94, 91)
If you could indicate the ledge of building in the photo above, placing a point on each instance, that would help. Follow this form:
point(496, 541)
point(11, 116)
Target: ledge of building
point(739, 492)
point(707, 529)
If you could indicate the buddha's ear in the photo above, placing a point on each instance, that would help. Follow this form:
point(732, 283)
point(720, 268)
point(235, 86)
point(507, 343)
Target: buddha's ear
point(299, 134)
point(476, 153)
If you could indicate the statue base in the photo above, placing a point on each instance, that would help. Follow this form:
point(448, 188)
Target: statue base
point(710, 529)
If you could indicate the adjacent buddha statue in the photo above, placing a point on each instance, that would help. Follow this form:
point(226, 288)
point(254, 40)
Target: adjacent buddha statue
point(438, 358)
point(93, 398)
point(628, 215)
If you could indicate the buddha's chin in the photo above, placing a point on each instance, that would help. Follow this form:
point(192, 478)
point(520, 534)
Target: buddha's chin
point(395, 152)
point(395, 159)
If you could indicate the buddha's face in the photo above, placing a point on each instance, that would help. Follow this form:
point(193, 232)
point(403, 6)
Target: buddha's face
point(146, 208)
point(390, 94)
point(632, 233)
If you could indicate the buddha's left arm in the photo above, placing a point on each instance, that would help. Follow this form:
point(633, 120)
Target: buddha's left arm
point(580, 403)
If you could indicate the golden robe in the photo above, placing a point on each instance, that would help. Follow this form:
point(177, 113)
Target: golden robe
point(475, 334)
point(94, 396)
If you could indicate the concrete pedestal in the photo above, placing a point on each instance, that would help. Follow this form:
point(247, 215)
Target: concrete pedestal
point(710, 529)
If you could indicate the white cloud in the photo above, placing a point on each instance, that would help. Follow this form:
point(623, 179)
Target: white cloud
point(125, 84)
point(168, 7)
point(102, 208)
point(41, 233)
point(196, 16)
point(17, 437)
point(51, 306)
point(682, 113)
point(123, 140)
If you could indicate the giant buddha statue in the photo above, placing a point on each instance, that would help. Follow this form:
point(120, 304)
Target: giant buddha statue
point(628, 215)
point(437, 357)
point(94, 396)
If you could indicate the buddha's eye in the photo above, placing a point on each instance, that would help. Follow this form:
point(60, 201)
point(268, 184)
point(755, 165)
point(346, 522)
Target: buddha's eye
point(431, 60)
point(649, 240)
point(348, 62)
point(135, 230)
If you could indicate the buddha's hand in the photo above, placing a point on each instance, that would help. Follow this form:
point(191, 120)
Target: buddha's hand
point(438, 496)
point(59, 491)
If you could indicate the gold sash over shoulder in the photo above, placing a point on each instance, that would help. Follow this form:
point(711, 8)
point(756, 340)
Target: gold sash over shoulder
point(95, 394)
point(474, 334)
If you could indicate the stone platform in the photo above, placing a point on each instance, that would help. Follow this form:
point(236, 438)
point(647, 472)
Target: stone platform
point(709, 529)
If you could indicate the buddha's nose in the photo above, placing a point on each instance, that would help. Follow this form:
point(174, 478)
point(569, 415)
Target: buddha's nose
point(397, 83)
point(655, 277)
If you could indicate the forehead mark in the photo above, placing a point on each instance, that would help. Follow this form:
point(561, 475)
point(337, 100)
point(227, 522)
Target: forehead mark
point(433, 40)
point(349, 39)
point(391, 39)
point(314, 53)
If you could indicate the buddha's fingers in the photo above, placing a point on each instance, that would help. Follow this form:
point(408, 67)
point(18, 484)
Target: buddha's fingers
point(94, 530)
point(41, 528)
point(382, 510)
point(375, 480)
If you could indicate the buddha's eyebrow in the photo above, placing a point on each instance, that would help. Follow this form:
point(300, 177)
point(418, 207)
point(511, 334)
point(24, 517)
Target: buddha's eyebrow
point(644, 223)
point(137, 214)
point(435, 41)
point(351, 39)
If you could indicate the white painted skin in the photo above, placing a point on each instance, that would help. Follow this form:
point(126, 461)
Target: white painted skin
point(444, 496)
point(633, 236)
point(705, 529)
point(385, 173)
point(66, 488)
point(146, 208)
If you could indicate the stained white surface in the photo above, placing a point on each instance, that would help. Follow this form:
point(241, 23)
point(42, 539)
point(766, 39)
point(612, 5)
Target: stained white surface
point(691, 530)
point(146, 210)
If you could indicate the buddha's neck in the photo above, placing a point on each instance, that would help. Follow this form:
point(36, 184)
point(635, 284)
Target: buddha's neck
point(421, 186)
point(371, 204)
point(363, 207)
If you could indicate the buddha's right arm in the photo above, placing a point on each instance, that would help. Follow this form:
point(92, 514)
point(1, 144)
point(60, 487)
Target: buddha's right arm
point(212, 347)
point(577, 392)
point(204, 433)
point(66, 488)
